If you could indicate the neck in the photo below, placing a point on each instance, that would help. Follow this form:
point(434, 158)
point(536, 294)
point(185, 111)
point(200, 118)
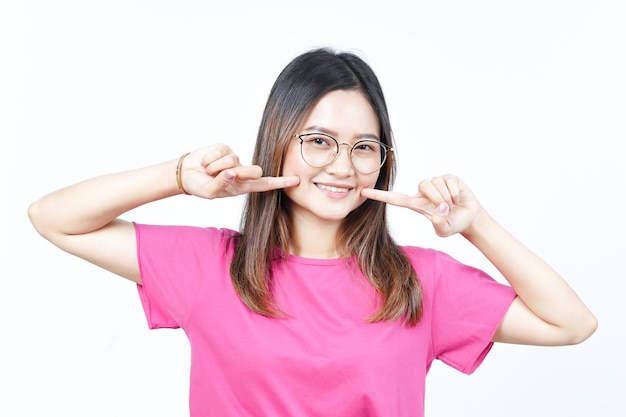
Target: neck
point(314, 239)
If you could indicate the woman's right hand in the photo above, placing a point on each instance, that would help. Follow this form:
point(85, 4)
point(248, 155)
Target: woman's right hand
point(84, 219)
point(214, 171)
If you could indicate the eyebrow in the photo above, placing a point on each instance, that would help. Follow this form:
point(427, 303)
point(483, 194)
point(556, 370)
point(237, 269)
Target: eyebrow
point(333, 133)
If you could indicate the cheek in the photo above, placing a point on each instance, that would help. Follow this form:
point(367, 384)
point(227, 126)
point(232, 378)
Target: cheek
point(293, 164)
point(369, 181)
point(291, 161)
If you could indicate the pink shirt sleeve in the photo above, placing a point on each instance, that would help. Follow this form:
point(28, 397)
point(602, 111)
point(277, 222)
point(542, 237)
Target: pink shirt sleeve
point(174, 262)
point(467, 309)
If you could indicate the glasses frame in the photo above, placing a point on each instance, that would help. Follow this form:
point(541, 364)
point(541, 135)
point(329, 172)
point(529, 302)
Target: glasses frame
point(384, 146)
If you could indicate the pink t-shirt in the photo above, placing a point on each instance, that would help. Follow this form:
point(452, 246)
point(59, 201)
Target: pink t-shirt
point(324, 358)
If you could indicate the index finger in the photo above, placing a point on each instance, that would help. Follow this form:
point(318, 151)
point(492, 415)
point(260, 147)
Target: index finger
point(390, 197)
point(271, 183)
point(418, 202)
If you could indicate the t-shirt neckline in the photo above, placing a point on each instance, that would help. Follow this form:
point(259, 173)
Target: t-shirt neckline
point(317, 261)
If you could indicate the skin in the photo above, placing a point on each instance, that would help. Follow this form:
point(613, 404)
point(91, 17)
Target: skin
point(325, 196)
point(83, 219)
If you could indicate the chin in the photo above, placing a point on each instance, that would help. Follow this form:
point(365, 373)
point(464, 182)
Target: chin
point(336, 215)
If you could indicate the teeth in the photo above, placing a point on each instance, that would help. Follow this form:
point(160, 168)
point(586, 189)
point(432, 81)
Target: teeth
point(333, 189)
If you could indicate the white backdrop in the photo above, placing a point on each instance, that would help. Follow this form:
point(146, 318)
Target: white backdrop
point(524, 100)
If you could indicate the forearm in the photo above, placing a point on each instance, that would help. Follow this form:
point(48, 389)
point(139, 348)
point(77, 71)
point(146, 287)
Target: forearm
point(537, 284)
point(94, 203)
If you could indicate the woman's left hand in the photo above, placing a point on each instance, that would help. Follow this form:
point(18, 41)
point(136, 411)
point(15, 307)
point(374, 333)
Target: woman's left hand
point(446, 201)
point(547, 311)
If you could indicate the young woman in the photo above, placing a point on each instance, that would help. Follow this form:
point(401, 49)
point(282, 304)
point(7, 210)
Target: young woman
point(312, 309)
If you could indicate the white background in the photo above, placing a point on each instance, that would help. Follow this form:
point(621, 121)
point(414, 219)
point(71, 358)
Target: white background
point(524, 100)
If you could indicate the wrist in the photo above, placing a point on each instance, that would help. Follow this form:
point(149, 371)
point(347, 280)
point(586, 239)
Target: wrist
point(480, 227)
point(179, 173)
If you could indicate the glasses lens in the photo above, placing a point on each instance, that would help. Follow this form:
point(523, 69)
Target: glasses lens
point(318, 150)
point(368, 156)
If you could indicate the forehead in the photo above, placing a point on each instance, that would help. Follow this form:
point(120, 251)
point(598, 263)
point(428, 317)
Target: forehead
point(345, 113)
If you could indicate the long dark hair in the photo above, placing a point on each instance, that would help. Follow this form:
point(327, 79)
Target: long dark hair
point(364, 233)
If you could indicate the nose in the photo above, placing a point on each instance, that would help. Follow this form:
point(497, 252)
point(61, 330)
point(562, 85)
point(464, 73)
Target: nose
point(342, 164)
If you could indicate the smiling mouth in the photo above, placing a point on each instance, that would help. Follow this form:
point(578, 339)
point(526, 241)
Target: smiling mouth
point(332, 189)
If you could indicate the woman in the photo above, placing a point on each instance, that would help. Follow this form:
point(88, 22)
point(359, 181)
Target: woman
point(312, 309)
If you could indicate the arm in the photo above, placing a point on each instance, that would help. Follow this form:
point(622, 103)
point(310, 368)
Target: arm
point(83, 219)
point(546, 311)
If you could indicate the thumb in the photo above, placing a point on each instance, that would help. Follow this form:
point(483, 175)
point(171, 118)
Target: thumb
point(218, 186)
point(441, 222)
point(228, 175)
point(443, 209)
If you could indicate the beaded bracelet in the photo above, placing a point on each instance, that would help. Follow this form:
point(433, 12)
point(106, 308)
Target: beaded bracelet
point(179, 173)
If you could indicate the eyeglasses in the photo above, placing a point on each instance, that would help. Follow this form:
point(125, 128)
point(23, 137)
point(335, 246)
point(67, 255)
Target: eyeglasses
point(319, 150)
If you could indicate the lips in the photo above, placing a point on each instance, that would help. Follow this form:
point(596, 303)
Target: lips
point(332, 188)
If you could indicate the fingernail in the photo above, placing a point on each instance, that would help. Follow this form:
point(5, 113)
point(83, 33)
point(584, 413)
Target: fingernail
point(228, 175)
point(442, 208)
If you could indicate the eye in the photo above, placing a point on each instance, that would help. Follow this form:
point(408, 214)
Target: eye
point(367, 146)
point(318, 141)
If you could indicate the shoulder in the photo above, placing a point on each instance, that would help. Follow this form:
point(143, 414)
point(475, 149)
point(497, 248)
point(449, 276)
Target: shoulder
point(184, 236)
point(427, 260)
point(435, 268)
point(193, 231)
